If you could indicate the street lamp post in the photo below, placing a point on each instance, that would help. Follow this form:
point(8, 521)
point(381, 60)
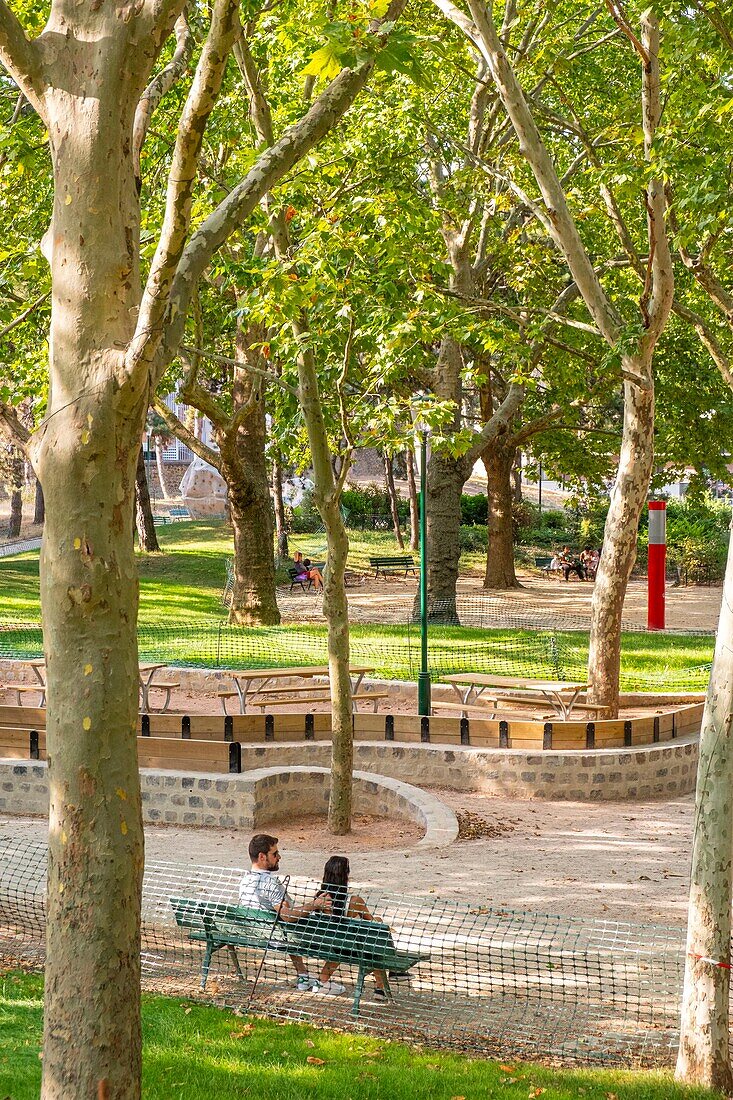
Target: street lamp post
point(423, 680)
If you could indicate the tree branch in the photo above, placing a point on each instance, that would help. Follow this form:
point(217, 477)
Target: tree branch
point(269, 376)
point(22, 59)
point(270, 167)
point(159, 86)
point(182, 177)
point(12, 426)
point(180, 431)
point(26, 313)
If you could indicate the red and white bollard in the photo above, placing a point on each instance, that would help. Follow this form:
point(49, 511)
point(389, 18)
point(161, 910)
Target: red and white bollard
point(657, 564)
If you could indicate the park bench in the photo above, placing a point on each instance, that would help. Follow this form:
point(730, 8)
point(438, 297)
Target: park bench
point(164, 685)
point(544, 565)
point(399, 563)
point(179, 513)
point(298, 577)
point(350, 941)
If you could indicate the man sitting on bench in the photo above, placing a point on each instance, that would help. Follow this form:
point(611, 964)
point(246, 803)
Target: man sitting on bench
point(260, 889)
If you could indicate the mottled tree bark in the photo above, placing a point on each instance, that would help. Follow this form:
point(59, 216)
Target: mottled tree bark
point(620, 537)
point(281, 529)
point(39, 510)
point(498, 461)
point(392, 494)
point(15, 485)
point(86, 458)
point(412, 493)
point(704, 1052)
point(446, 478)
point(243, 468)
point(160, 467)
point(147, 538)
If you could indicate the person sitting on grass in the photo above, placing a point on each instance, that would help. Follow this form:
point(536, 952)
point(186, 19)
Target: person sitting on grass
point(306, 571)
point(335, 887)
point(260, 889)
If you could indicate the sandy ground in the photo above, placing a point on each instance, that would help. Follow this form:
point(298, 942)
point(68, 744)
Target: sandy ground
point(624, 861)
point(549, 600)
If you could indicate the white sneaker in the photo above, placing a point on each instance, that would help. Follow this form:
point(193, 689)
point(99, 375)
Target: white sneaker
point(329, 989)
point(304, 983)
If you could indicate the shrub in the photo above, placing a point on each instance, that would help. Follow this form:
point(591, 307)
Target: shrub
point(472, 539)
point(474, 510)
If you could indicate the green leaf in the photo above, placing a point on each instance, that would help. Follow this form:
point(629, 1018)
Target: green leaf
point(324, 63)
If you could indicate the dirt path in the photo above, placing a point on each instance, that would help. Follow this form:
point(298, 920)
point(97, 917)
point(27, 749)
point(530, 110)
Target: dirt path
point(544, 600)
point(624, 861)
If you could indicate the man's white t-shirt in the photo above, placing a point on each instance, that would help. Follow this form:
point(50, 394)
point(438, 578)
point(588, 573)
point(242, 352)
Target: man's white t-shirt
point(261, 890)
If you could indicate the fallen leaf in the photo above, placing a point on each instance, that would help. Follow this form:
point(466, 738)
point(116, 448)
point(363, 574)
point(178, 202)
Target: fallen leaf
point(536, 1092)
point(315, 1061)
point(187, 1011)
point(242, 1032)
point(507, 1069)
point(308, 1043)
point(611, 1096)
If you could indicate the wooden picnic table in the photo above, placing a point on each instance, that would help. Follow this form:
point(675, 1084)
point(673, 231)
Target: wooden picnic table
point(562, 695)
point(38, 667)
point(254, 680)
point(146, 673)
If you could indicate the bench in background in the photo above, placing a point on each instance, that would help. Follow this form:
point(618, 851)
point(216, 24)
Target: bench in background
point(399, 563)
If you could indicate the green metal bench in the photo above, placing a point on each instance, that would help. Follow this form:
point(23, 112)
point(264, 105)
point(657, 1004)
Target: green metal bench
point(365, 944)
point(400, 563)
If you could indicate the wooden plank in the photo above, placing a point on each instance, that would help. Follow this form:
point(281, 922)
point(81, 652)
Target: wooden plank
point(367, 725)
point(641, 728)
point(204, 724)
point(33, 717)
point(527, 744)
point(530, 730)
point(164, 725)
point(484, 740)
point(166, 752)
point(243, 725)
point(15, 742)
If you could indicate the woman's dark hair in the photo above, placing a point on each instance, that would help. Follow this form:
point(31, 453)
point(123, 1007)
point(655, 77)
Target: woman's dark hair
point(335, 883)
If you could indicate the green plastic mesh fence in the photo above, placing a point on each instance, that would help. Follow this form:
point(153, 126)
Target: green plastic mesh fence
point(477, 977)
point(394, 652)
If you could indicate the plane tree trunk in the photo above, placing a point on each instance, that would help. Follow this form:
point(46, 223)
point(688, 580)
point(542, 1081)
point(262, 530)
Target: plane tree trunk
point(498, 461)
point(146, 535)
point(86, 458)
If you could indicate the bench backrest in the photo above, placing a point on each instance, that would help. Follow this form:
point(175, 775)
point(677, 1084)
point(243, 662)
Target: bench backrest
point(401, 559)
point(348, 938)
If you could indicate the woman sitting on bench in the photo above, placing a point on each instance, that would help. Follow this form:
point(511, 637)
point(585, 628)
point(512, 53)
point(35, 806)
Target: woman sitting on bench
point(335, 884)
point(306, 572)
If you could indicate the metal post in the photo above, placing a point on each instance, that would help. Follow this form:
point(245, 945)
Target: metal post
point(657, 562)
point(423, 680)
point(539, 490)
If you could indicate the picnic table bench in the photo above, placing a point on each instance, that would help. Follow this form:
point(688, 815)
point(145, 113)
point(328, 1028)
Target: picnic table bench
point(562, 695)
point(398, 563)
point(366, 944)
point(251, 685)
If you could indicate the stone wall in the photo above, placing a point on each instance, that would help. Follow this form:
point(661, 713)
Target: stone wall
point(246, 801)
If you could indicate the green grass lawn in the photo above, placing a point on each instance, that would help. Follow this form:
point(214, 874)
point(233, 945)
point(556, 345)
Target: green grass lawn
point(182, 622)
point(194, 1052)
